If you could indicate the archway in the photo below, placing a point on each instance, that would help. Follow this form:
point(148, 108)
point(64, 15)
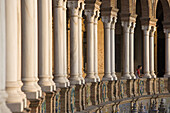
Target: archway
point(138, 36)
point(160, 41)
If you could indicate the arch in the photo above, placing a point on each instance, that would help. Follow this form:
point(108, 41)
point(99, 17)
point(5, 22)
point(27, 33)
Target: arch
point(166, 9)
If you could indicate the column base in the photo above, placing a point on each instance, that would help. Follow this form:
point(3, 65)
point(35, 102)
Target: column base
point(153, 75)
point(107, 77)
point(114, 76)
point(133, 75)
point(75, 80)
point(126, 76)
point(22, 94)
point(38, 89)
point(82, 80)
point(89, 80)
point(60, 81)
point(32, 95)
point(147, 75)
point(47, 88)
point(167, 75)
point(3, 106)
point(16, 107)
point(97, 78)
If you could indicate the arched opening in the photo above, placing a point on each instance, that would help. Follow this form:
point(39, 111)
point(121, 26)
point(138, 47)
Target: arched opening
point(138, 36)
point(160, 41)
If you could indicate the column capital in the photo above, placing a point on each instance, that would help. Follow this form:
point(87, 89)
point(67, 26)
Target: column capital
point(107, 21)
point(81, 8)
point(90, 14)
point(132, 27)
point(146, 27)
point(64, 5)
point(152, 31)
point(74, 7)
point(96, 16)
point(166, 30)
point(126, 25)
point(114, 20)
point(58, 3)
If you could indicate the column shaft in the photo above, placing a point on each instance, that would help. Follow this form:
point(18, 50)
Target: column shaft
point(50, 43)
point(151, 48)
point(43, 46)
point(36, 48)
point(19, 54)
point(96, 47)
point(131, 52)
point(3, 94)
point(59, 77)
point(167, 53)
point(113, 73)
point(65, 41)
point(28, 47)
point(80, 43)
point(14, 99)
point(107, 48)
point(90, 46)
point(146, 30)
point(74, 73)
point(126, 28)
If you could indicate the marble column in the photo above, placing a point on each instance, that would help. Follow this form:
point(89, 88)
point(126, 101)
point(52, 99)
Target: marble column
point(59, 77)
point(146, 30)
point(28, 46)
point(19, 54)
point(50, 43)
point(43, 46)
point(80, 42)
point(107, 48)
point(131, 50)
point(96, 46)
point(167, 52)
point(14, 100)
point(3, 94)
point(74, 72)
point(65, 66)
point(151, 49)
point(113, 73)
point(126, 28)
point(90, 77)
point(36, 47)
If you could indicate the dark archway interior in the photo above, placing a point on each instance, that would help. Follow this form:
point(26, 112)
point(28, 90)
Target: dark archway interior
point(138, 36)
point(160, 41)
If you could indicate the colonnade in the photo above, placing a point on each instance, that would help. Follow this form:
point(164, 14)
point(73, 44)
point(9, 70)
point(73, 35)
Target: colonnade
point(26, 48)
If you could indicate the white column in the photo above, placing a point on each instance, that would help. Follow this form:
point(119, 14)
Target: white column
point(90, 77)
point(146, 30)
point(113, 73)
point(43, 46)
point(36, 47)
point(151, 48)
point(28, 46)
point(167, 52)
point(3, 94)
point(74, 73)
point(131, 52)
point(14, 100)
point(65, 41)
point(50, 43)
point(126, 28)
point(96, 46)
point(80, 42)
point(59, 77)
point(107, 48)
point(19, 54)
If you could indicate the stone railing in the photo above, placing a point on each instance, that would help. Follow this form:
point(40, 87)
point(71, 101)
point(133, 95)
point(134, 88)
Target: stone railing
point(123, 96)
